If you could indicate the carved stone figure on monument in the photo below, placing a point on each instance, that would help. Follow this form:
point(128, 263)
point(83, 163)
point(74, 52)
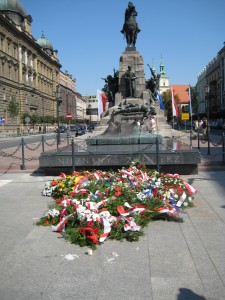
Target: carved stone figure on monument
point(130, 108)
point(111, 87)
point(130, 82)
point(153, 85)
point(130, 26)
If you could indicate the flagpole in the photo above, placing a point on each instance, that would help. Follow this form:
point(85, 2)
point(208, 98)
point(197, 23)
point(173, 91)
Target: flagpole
point(173, 106)
point(190, 111)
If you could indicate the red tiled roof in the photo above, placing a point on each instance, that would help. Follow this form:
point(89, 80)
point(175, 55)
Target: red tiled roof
point(181, 91)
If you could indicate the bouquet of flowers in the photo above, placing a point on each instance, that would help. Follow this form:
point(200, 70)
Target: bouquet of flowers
point(90, 207)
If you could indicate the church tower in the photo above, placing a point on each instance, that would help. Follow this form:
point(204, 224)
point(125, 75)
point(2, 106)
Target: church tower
point(164, 79)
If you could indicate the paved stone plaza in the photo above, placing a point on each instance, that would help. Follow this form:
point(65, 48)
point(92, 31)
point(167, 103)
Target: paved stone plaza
point(172, 261)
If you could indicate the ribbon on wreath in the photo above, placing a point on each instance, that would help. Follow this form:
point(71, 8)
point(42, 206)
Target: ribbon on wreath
point(61, 225)
point(131, 225)
point(128, 174)
point(107, 221)
point(190, 189)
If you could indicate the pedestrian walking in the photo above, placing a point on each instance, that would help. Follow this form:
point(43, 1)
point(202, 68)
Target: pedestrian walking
point(204, 127)
point(151, 124)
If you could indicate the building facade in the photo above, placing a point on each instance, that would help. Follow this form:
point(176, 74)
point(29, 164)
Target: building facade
point(29, 69)
point(72, 102)
point(213, 76)
point(91, 108)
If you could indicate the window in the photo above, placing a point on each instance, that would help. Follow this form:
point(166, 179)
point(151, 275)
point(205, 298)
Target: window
point(9, 48)
point(10, 72)
point(1, 42)
point(185, 108)
point(3, 69)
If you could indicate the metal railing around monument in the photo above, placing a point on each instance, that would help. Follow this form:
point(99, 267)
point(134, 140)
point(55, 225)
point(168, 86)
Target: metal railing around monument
point(21, 151)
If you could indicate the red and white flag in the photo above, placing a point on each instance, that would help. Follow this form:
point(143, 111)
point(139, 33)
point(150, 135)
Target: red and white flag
point(174, 104)
point(101, 97)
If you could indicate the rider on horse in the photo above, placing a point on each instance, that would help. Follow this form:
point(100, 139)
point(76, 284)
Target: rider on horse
point(131, 10)
point(130, 20)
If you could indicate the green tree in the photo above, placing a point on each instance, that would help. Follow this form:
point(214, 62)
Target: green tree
point(23, 117)
point(167, 101)
point(34, 119)
point(194, 99)
point(13, 108)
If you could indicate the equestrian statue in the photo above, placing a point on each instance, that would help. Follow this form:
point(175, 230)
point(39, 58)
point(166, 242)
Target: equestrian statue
point(130, 26)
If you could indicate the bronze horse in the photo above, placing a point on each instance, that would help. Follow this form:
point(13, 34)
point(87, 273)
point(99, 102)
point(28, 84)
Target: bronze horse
point(130, 27)
point(131, 31)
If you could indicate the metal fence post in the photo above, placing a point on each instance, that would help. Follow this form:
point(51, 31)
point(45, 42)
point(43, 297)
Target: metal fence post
point(157, 153)
point(68, 138)
point(223, 148)
point(43, 143)
point(23, 157)
point(73, 156)
point(198, 140)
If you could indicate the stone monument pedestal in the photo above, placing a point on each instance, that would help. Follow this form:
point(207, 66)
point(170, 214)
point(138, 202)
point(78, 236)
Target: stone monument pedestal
point(126, 137)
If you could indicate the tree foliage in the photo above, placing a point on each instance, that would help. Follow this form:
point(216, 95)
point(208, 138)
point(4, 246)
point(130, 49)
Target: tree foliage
point(167, 101)
point(13, 107)
point(194, 99)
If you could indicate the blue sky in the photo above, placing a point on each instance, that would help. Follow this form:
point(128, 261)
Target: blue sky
point(186, 34)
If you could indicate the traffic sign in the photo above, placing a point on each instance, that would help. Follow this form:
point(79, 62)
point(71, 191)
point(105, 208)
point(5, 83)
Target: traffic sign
point(185, 116)
point(2, 120)
point(27, 120)
point(69, 116)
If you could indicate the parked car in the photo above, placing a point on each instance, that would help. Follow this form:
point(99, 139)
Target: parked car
point(62, 129)
point(74, 128)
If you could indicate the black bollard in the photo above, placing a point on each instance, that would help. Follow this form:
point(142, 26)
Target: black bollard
point(43, 143)
point(73, 156)
point(23, 157)
point(68, 138)
point(198, 140)
point(157, 153)
point(223, 149)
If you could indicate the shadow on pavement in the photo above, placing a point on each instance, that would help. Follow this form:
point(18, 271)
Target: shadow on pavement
point(186, 294)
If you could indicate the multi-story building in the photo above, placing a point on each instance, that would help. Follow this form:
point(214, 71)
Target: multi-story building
point(213, 75)
point(72, 102)
point(29, 68)
point(30, 72)
point(92, 108)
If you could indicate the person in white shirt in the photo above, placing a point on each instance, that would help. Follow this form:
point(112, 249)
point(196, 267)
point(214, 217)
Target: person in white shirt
point(152, 124)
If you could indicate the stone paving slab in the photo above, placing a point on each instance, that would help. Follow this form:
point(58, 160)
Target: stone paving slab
point(172, 261)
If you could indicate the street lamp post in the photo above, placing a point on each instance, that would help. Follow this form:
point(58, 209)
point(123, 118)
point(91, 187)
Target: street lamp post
point(58, 102)
point(207, 93)
point(89, 109)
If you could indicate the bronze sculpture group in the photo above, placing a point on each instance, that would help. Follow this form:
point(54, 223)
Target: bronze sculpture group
point(130, 30)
